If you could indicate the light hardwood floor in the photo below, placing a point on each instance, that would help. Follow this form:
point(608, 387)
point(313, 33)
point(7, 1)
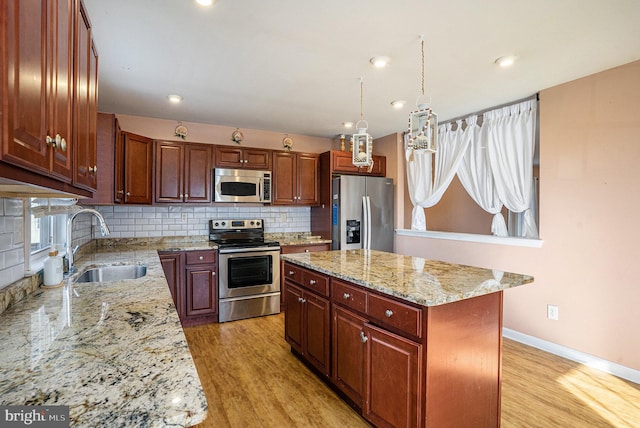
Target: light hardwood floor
point(251, 379)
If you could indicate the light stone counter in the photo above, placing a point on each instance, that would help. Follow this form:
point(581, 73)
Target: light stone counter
point(114, 352)
point(418, 280)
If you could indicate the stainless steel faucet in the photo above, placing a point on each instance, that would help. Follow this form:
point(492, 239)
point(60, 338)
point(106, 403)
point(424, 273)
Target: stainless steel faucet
point(104, 229)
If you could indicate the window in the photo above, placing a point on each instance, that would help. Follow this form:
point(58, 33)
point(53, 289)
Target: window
point(41, 233)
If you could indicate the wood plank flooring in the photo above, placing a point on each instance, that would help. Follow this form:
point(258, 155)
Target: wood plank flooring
point(251, 379)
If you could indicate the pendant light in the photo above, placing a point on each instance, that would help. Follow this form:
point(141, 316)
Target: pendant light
point(362, 141)
point(423, 122)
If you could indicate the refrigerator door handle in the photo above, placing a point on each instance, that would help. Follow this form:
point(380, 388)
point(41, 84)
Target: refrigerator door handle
point(368, 223)
point(366, 218)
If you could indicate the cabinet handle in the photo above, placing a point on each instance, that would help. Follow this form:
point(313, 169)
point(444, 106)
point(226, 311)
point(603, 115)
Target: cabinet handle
point(128, 193)
point(291, 272)
point(388, 313)
point(120, 192)
point(50, 141)
point(213, 274)
point(346, 296)
point(306, 251)
point(312, 281)
point(186, 195)
point(301, 300)
point(93, 169)
point(61, 143)
point(201, 258)
point(181, 196)
point(363, 338)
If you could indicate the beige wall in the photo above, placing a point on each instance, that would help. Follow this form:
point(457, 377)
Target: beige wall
point(589, 206)
point(391, 147)
point(162, 129)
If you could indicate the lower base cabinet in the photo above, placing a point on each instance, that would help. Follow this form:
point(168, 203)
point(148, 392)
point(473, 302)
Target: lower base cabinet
point(193, 281)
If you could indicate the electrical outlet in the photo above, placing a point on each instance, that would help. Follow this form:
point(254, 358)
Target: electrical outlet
point(552, 312)
point(283, 217)
point(184, 217)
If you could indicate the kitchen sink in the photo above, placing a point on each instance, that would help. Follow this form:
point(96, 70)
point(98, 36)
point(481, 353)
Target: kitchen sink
point(112, 273)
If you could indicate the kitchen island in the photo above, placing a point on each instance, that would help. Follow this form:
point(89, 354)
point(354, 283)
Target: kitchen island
point(114, 352)
point(406, 341)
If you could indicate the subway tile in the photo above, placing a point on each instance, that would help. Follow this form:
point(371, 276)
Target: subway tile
point(12, 207)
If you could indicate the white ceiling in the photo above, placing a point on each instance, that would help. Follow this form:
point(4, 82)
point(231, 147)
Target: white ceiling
point(293, 66)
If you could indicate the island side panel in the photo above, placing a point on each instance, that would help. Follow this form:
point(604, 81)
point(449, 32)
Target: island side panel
point(464, 363)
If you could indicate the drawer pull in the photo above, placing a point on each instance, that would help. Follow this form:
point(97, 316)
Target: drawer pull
point(201, 258)
point(346, 296)
point(363, 338)
point(388, 313)
point(312, 281)
point(291, 272)
point(301, 300)
point(306, 251)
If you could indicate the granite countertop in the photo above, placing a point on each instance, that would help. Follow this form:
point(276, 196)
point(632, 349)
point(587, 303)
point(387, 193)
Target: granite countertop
point(115, 352)
point(422, 281)
point(286, 239)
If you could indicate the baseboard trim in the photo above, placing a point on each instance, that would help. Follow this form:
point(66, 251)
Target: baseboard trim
point(573, 355)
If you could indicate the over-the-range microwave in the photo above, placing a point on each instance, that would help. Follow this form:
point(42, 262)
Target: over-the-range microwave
point(241, 185)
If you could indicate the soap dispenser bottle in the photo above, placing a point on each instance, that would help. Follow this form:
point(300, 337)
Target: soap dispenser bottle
point(53, 269)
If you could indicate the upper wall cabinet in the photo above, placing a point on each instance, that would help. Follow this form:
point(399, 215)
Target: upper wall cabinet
point(183, 172)
point(39, 53)
point(86, 105)
point(295, 178)
point(37, 83)
point(342, 163)
point(239, 157)
point(133, 169)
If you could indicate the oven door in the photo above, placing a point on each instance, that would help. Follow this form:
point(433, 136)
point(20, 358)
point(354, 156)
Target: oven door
point(248, 271)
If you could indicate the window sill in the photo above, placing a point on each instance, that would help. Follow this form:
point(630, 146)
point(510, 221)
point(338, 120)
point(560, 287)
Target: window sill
point(470, 237)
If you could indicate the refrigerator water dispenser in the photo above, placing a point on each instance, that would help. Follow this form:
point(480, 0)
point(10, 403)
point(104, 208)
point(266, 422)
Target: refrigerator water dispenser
point(353, 232)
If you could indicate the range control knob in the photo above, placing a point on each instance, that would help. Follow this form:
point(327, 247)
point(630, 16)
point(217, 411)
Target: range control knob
point(224, 223)
point(252, 223)
point(216, 224)
point(257, 223)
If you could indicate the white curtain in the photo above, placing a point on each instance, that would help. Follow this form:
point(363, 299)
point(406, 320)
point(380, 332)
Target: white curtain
point(429, 177)
point(510, 138)
point(476, 176)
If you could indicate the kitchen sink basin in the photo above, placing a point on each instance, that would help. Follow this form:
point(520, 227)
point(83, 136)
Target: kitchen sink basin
point(112, 273)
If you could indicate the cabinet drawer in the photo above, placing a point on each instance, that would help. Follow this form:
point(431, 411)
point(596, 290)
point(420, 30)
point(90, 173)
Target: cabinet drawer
point(200, 257)
point(291, 249)
point(316, 282)
point(293, 273)
point(395, 314)
point(347, 295)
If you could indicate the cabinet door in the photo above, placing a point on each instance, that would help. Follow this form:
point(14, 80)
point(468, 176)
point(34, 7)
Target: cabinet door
point(293, 316)
point(228, 157)
point(169, 173)
point(172, 265)
point(257, 159)
point(308, 184)
point(106, 135)
point(316, 333)
point(118, 177)
point(348, 353)
point(60, 86)
point(285, 186)
point(138, 152)
point(342, 162)
point(389, 356)
point(86, 104)
point(24, 140)
point(197, 173)
point(201, 290)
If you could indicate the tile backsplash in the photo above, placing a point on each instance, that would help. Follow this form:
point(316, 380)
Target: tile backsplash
point(11, 241)
point(155, 221)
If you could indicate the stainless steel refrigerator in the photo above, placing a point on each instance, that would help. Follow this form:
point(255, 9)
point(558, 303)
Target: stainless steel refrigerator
point(362, 213)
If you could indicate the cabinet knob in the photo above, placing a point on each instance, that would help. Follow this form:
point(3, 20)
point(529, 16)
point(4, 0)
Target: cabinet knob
point(312, 281)
point(388, 313)
point(93, 169)
point(50, 141)
point(181, 196)
point(291, 272)
point(213, 274)
point(346, 296)
point(186, 195)
point(61, 143)
point(120, 192)
point(301, 300)
point(128, 193)
point(201, 258)
point(306, 251)
point(363, 338)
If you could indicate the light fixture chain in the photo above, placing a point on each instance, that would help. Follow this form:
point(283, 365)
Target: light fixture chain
point(422, 45)
point(361, 97)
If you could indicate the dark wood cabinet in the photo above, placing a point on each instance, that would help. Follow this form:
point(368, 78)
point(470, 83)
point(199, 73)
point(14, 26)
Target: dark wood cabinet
point(106, 141)
point(342, 163)
point(86, 105)
point(193, 281)
point(308, 317)
point(292, 249)
point(392, 379)
point(133, 171)
point(37, 86)
point(295, 178)
point(183, 172)
point(348, 371)
point(173, 267)
point(240, 157)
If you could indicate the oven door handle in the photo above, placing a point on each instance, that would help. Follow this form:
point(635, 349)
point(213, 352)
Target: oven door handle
point(248, 250)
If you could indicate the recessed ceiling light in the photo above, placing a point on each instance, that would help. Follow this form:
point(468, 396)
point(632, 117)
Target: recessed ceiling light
point(506, 61)
point(380, 61)
point(174, 98)
point(398, 104)
point(347, 124)
point(205, 2)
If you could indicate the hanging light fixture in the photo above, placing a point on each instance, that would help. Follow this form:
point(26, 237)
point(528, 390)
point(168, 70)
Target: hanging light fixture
point(423, 122)
point(362, 141)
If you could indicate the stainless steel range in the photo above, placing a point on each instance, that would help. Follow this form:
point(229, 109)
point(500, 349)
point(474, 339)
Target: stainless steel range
point(249, 269)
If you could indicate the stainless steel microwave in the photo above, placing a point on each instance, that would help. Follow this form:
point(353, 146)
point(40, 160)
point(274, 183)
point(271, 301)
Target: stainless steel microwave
point(240, 185)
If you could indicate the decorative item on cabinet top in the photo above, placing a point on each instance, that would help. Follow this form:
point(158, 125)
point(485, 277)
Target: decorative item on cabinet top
point(181, 131)
point(237, 136)
point(287, 142)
